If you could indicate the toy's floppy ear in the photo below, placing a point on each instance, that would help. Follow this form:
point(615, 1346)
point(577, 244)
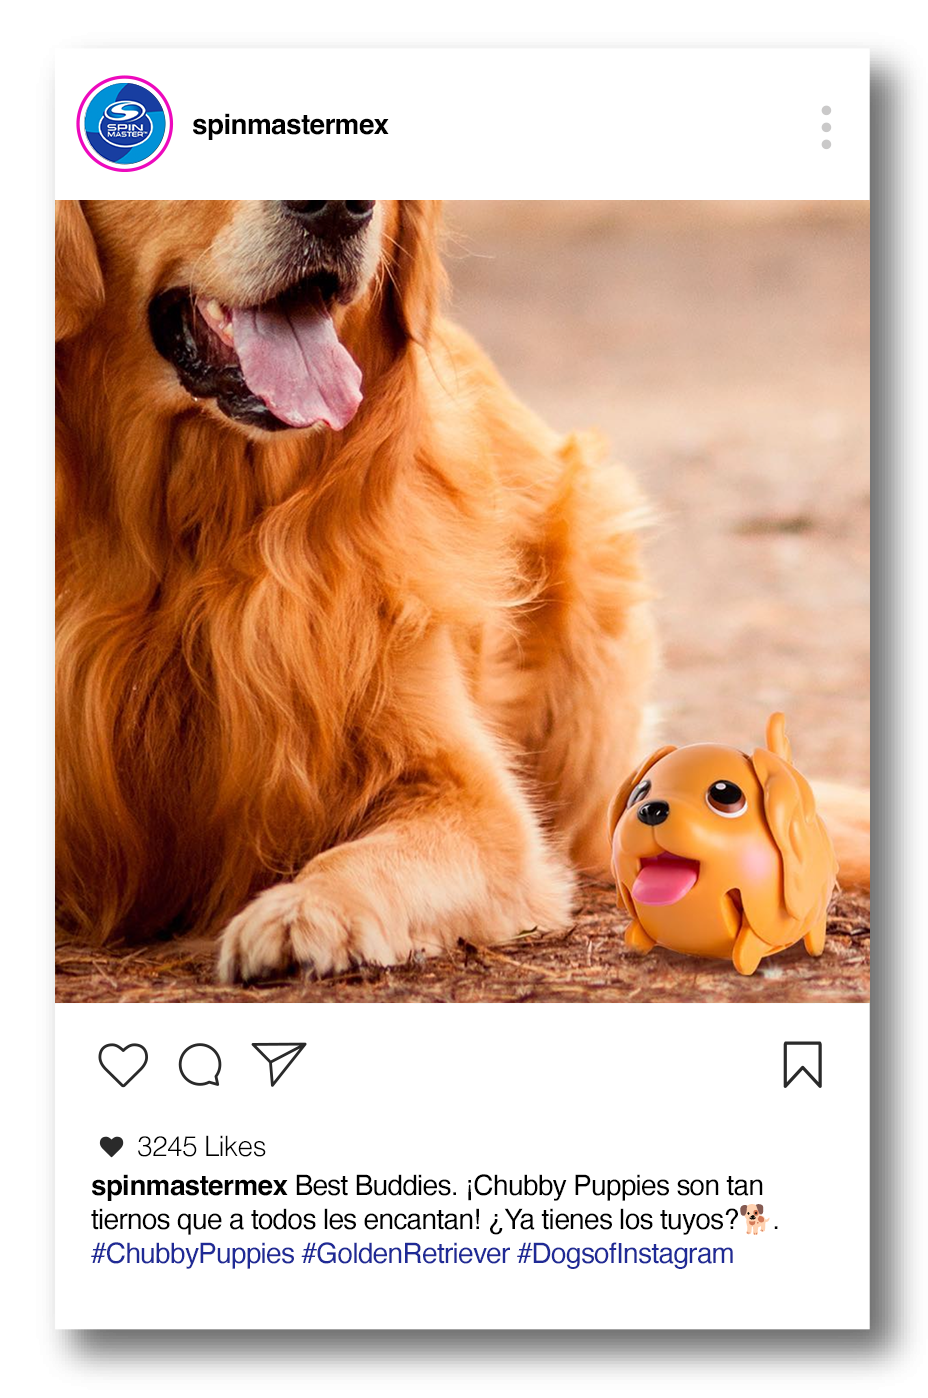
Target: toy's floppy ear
point(800, 836)
point(78, 278)
point(776, 738)
point(744, 1208)
point(617, 804)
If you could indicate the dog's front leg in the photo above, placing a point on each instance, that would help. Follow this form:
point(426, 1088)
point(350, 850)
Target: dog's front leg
point(458, 853)
point(468, 866)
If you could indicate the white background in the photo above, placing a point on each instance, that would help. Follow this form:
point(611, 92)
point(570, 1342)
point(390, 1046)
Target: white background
point(670, 1091)
point(514, 124)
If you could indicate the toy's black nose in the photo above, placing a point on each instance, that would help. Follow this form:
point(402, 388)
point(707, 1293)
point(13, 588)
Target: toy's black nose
point(331, 218)
point(653, 812)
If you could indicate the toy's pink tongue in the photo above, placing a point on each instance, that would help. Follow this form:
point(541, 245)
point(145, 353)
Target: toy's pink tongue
point(664, 880)
point(292, 358)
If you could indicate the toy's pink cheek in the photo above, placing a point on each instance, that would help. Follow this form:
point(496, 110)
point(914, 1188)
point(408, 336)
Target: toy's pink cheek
point(758, 861)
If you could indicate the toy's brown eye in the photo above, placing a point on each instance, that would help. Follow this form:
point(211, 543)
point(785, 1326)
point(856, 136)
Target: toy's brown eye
point(726, 799)
point(639, 793)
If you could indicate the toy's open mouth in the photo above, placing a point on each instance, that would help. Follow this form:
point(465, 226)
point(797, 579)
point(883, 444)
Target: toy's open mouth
point(274, 365)
point(664, 878)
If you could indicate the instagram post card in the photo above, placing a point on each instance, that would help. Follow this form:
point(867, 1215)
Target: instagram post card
point(462, 690)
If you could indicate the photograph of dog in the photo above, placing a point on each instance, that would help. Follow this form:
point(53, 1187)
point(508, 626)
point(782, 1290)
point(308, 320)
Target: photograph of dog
point(753, 1214)
point(352, 647)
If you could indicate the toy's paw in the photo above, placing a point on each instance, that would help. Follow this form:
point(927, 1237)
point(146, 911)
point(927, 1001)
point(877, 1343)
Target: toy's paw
point(747, 951)
point(298, 927)
point(637, 939)
point(814, 941)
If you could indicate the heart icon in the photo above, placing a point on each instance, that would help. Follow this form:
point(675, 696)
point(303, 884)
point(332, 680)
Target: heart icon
point(111, 1144)
point(123, 1063)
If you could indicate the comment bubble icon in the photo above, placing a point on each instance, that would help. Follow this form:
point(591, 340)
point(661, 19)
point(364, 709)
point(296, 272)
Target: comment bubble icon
point(200, 1065)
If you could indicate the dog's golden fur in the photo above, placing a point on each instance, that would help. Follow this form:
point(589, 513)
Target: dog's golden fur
point(361, 692)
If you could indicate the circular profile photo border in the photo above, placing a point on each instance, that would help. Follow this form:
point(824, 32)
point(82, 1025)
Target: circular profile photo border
point(124, 78)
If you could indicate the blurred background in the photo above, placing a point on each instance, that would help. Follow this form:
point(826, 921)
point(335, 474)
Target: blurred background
point(723, 349)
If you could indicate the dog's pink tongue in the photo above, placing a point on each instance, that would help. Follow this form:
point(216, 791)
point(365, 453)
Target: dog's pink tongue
point(293, 359)
point(664, 880)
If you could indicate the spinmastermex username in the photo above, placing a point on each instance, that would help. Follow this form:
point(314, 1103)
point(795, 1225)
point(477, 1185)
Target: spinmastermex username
point(289, 126)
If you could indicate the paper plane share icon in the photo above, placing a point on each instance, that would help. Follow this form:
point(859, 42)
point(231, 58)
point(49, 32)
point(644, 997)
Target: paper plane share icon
point(279, 1057)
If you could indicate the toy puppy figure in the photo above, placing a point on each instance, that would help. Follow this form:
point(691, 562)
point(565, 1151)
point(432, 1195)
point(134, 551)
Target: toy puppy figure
point(716, 853)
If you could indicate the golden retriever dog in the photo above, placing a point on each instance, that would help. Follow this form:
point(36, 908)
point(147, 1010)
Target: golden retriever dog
point(351, 645)
point(352, 648)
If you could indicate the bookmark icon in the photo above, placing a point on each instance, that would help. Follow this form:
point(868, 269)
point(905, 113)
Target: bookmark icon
point(278, 1058)
point(802, 1056)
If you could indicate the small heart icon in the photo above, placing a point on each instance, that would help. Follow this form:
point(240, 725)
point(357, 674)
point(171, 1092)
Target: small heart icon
point(111, 1144)
point(123, 1063)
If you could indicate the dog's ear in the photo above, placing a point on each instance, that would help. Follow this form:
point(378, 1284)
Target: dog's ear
point(744, 1208)
point(78, 278)
point(776, 739)
point(805, 849)
point(617, 804)
point(760, 1208)
point(417, 278)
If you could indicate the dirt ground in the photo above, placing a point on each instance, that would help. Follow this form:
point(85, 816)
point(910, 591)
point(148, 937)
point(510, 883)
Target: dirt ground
point(590, 962)
point(723, 350)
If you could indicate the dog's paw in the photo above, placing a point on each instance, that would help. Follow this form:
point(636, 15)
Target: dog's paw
point(297, 927)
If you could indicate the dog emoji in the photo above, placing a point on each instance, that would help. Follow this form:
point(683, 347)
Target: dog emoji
point(753, 1214)
point(717, 853)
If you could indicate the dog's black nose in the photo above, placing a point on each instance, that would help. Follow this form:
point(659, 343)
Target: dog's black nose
point(331, 218)
point(653, 812)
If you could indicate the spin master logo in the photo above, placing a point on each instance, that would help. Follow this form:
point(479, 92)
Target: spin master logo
point(124, 123)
